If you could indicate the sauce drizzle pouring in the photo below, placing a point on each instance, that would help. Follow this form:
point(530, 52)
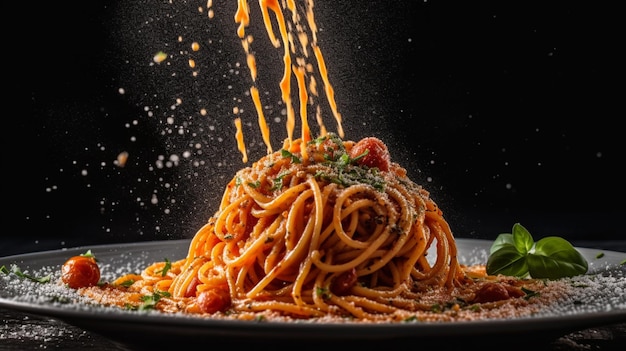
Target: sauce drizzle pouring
point(295, 62)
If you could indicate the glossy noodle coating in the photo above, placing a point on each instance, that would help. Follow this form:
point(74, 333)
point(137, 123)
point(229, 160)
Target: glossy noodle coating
point(329, 233)
point(330, 236)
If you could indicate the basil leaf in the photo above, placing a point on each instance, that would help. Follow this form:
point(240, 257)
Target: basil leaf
point(507, 260)
point(501, 241)
point(522, 239)
point(516, 254)
point(555, 257)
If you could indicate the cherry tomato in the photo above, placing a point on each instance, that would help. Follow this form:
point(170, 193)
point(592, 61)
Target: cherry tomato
point(80, 271)
point(214, 300)
point(191, 288)
point(377, 153)
point(342, 284)
point(491, 292)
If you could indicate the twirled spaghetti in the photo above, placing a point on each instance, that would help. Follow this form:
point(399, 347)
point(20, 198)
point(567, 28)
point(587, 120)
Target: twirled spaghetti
point(317, 235)
point(326, 229)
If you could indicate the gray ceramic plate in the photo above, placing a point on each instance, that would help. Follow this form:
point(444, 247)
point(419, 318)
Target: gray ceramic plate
point(606, 306)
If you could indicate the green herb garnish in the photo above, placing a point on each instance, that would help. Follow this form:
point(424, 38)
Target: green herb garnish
point(166, 267)
point(278, 181)
point(287, 154)
point(529, 293)
point(517, 254)
point(323, 292)
point(17, 271)
point(150, 301)
point(127, 283)
point(88, 253)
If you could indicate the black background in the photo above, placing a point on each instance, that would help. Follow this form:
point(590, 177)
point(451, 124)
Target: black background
point(504, 113)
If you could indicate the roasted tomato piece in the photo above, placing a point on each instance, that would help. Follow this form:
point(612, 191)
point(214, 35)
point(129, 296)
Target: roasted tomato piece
point(80, 272)
point(342, 284)
point(491, 292)
point(214, 300)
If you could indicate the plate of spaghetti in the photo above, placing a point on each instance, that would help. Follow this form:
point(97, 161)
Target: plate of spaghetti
point(326, 238)
point(324, 241)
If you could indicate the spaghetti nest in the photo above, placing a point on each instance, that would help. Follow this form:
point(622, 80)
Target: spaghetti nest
point(326, 227)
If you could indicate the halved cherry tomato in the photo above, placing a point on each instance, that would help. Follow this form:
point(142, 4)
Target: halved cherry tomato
point(80, 272)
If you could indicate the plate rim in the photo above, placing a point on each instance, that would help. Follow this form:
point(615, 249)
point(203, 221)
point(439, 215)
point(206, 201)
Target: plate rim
point(106, 320)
